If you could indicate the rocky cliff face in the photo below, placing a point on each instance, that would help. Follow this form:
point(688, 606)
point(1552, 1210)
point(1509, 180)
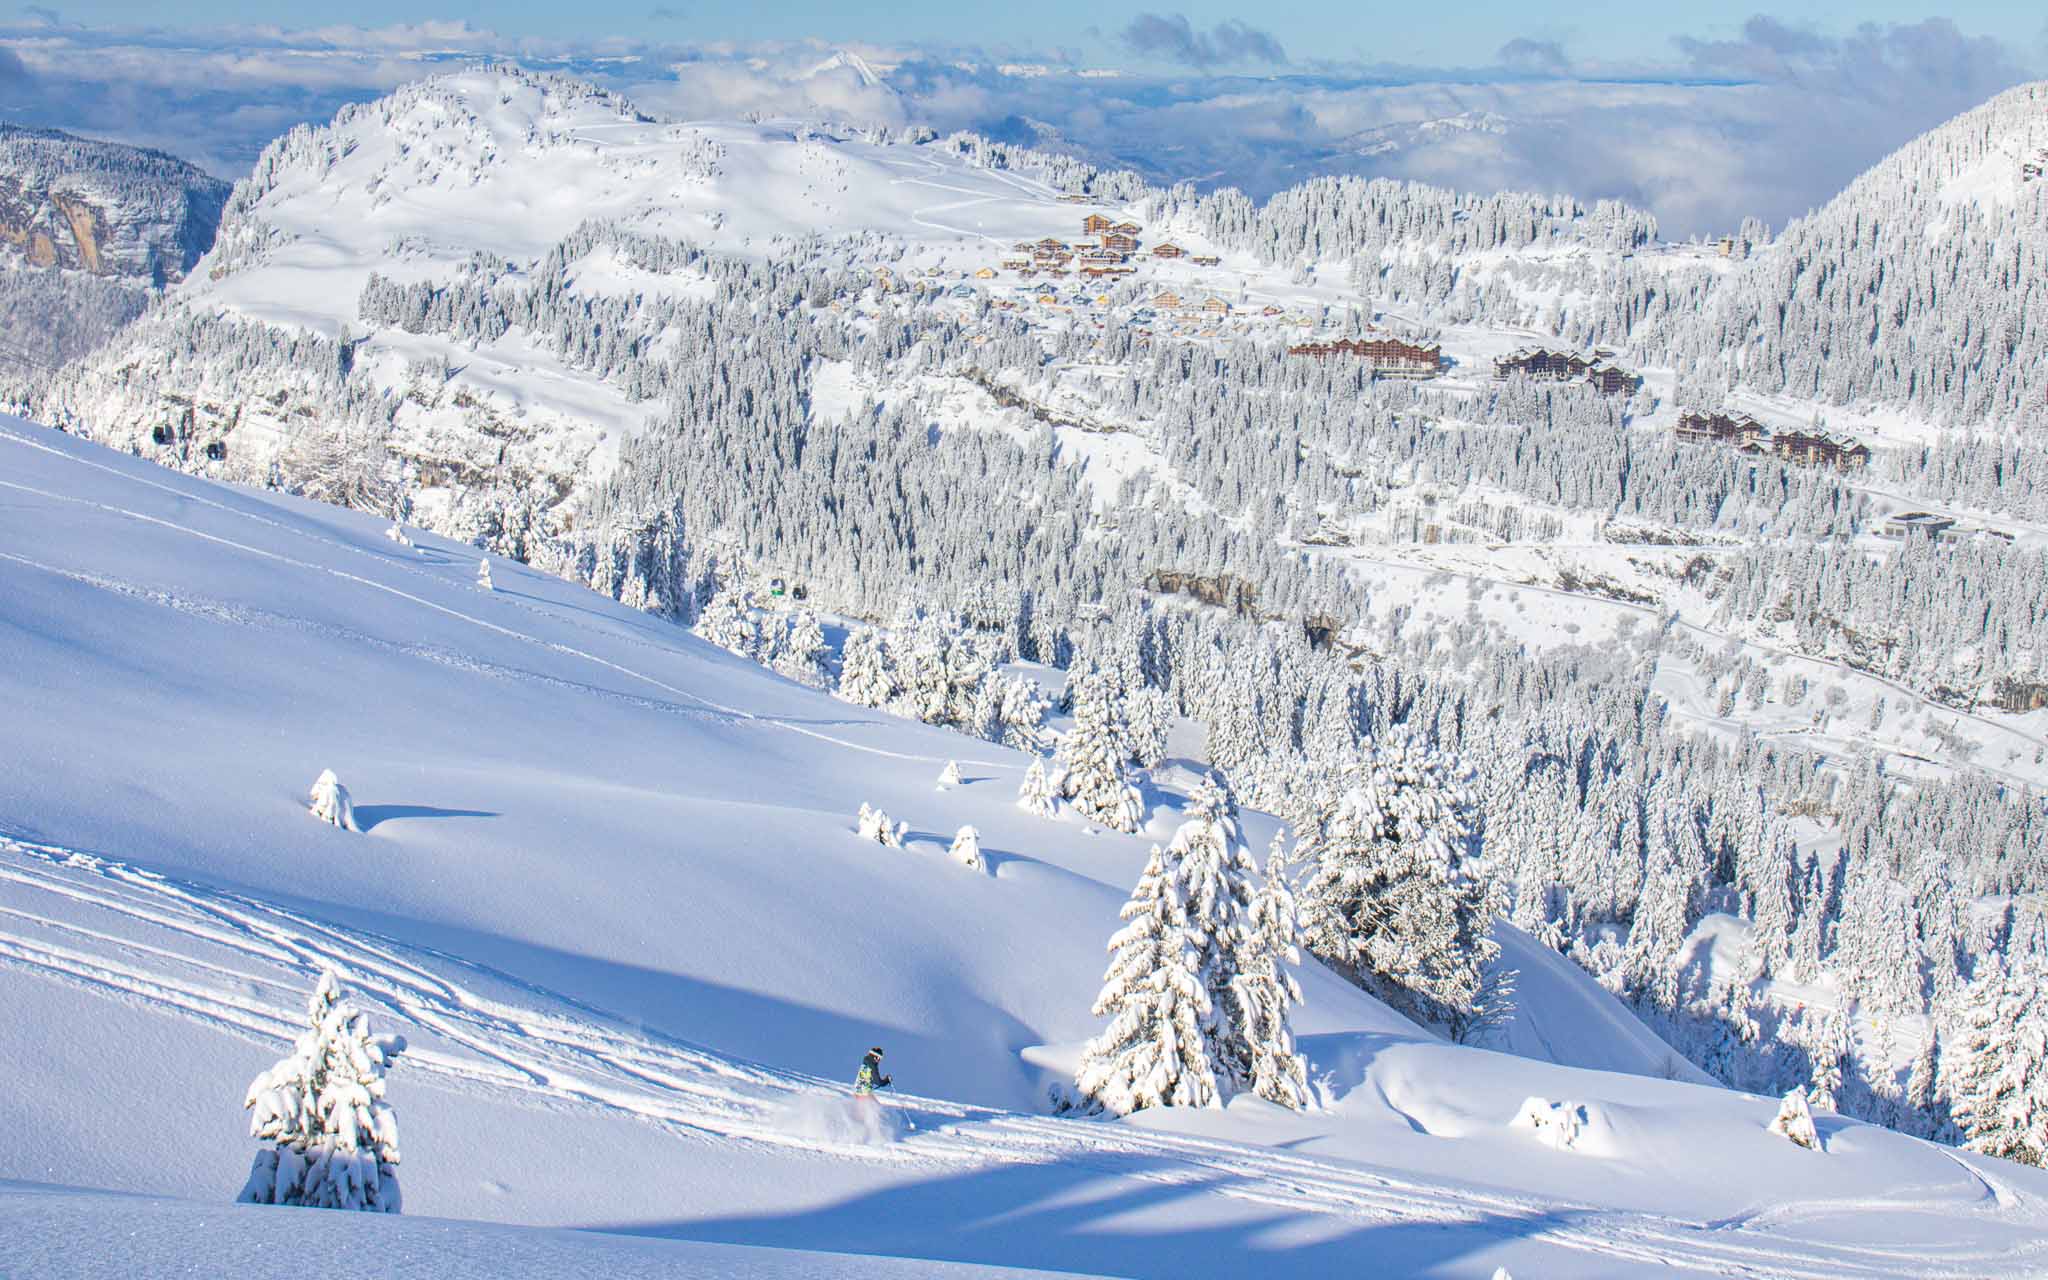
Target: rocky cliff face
point(87, 231)
point(108, 210)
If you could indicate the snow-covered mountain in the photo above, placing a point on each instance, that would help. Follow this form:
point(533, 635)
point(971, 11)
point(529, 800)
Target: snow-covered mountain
point(607, 886)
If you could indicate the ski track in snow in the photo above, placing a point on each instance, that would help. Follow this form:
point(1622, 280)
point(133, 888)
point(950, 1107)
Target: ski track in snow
point(242, 966)
point(735, 714)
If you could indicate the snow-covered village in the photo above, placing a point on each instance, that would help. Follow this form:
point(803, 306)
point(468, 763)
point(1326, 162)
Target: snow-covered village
point(1173, 650)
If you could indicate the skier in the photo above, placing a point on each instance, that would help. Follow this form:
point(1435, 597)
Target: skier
point(870, 1077)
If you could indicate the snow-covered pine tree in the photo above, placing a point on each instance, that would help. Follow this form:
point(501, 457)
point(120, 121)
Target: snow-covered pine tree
point(966, 849)
point(950, 775)
point(1090, 760)
point(1390, 900)
point(1265, 990)
point(1794, 1121)
point(873, 824)
point(397, 534)
point(1036, 796)
point(332, 1139)
point(330, 802)
point(1150, 718)
point(1826, 1052)
point(865, 677)
point(1155, 1051)
point(2001, 1089)
point(801, 655)
point(728, 622)
point(483, 576)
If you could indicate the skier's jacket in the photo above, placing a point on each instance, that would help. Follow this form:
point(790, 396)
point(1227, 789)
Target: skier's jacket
point(870, 1077)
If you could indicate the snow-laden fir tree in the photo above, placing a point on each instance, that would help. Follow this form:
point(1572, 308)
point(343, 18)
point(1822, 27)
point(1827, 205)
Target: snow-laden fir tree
point(1036, 796)
point(331, 1139)
point(1264, 989)
point(1090, 760)
point(950, 775)
point(483, 576)
point(873, 824)
point(2001, 1082)
point(802, 651)
point(966, 849)
point(1794, 1121)
point(330, 802)
point(1156, 1050)
point(728, 622)
point(397, 534)
point(1827, 1051)
point(1150, 717)
point(1390, 899)
point(865, 677)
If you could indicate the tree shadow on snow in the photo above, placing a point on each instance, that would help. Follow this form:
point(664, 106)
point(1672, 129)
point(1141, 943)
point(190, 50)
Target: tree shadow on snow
point(369, 816)
point(1129, 1214)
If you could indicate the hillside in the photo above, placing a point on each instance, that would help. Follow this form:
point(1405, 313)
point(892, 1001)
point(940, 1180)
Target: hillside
point(1920, 286)
point(90, 229)
point(979, 405)
point(629, 974)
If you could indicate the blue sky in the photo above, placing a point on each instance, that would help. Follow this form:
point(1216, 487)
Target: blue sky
point(1450, 35)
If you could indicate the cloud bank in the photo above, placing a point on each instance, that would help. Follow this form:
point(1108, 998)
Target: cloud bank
point(1767, 122)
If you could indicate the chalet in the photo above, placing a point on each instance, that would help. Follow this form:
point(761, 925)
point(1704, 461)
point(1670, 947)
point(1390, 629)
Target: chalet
point(1049, 246)
point(1540, 362)
point(1050, 300)
point(1216, 306)
point(1610, 379)
point(984, 273)
point(1204, 260)
point(1388, 356)
point(1118, 242)
point(1168, 249)
point(1733, 429)
point(1015, 264)
point(963, 291)
point(1166, 301)
point(1095, 224)
point(1023, 246)
point(1127, 228)
point(1269, 310)
point(1820, 447)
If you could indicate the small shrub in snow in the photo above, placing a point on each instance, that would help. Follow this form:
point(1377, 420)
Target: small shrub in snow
point(483, 576)
point(1036, 795)
point(1794, 1121)
point(966, 849)
point(397, 534)
point(875, 825)
point(333, 1140)
point(950, 775)
point(1557, 1124)
point(330, 802)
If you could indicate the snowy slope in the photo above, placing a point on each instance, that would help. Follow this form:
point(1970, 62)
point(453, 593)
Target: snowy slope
point(609, 891)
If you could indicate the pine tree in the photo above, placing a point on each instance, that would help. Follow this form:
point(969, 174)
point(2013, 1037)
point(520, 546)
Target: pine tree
point(1036, 796)
point(1090, 761)
point(1265, 991)
point(483, 576)
point(1390, 900)
point(1794, 1121)
point(865, 677)
point(728, 622)
point(2001, 1091)
point(332, 1139)
point(966, 849)
point(1827, 1052)
point(802, 651)
point(330, 802)
point(1155, 1051)
point(950, 775)
point(873, 824)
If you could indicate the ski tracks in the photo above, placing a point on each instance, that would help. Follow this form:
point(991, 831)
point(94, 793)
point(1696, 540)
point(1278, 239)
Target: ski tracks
point(243, 966)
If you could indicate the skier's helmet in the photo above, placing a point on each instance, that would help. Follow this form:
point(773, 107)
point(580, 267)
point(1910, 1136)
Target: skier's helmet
point(876, 1051)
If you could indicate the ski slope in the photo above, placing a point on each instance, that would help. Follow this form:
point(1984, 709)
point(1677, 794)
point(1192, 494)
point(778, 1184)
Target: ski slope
point(608, 889)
